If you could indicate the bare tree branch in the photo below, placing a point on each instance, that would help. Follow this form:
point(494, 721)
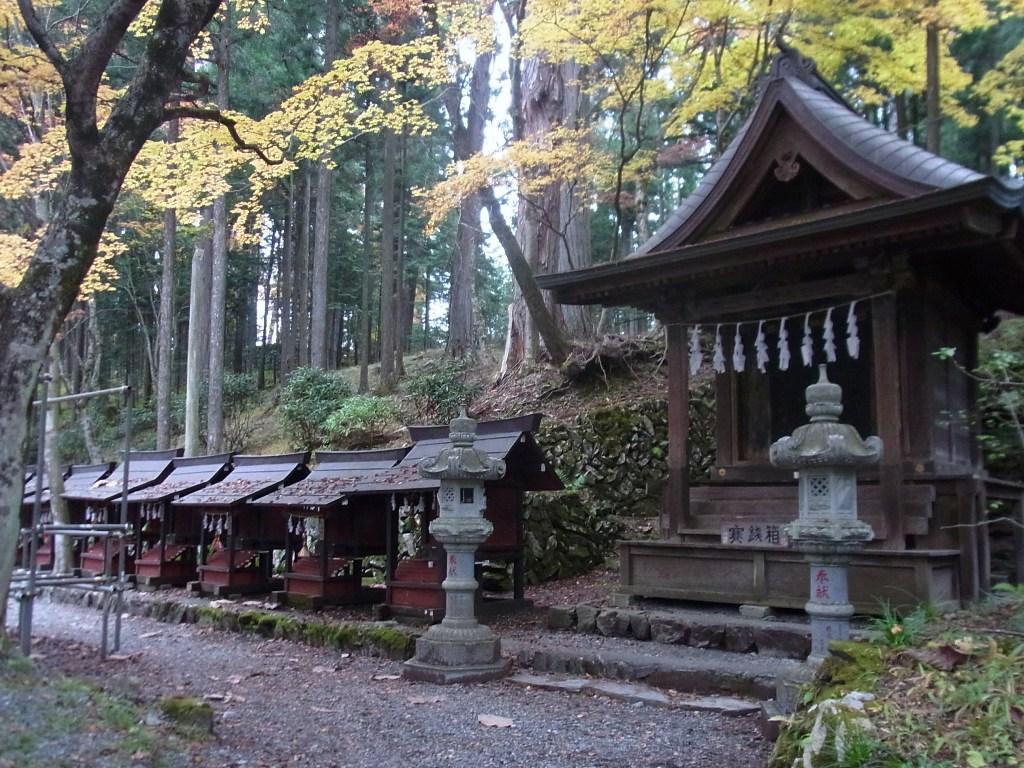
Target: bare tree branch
point(216, 116)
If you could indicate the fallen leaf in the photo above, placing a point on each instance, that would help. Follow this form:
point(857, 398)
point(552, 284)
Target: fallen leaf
point(215, 696)
point(234, 679)
point(141, 755)
point(495, 721)
point(147, 635)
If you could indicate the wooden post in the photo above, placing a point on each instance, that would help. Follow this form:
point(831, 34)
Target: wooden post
point(676, 502)
point(888, 405)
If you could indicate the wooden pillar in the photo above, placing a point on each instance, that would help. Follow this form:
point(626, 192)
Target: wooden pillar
point(676, 502)
point(888, 407)
point(969, 518)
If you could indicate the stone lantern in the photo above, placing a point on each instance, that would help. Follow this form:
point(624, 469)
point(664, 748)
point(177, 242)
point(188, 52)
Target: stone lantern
point(460, 649)
point(826, 455)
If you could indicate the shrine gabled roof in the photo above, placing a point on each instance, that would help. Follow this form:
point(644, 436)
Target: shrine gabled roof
point(81, 477)
point(340, 475)
point(870, 186)
point(337, 475)
point(250, 478)
point(144, 468)
point(187, 475)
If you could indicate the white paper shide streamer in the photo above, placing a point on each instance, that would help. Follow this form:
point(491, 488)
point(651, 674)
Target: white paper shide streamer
point(852, 339)
point(718, 361)
point(807, 344)
point(761, 348)
point(739, 359)
point(696, 356)
point(829, 337)
point(783, 346)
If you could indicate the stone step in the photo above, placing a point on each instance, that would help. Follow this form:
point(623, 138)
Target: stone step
point(734, 630)
point(668, 668)
point(638, 693)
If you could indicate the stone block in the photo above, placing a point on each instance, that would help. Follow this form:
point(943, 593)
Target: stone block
point(755, 611)
point(562, 617)
point(669, 631)
point(740, 639)
point(707, 636)
point(784, 642)
point(640, 626)
point(586, 618)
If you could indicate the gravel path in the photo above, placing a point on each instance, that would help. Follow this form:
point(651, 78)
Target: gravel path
point(282, 704)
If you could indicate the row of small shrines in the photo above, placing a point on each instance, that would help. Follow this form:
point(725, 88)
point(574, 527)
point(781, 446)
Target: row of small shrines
point(228, 525)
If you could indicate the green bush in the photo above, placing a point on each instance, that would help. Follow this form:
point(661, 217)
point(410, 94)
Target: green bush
point(440, 394)
point(361, 421)
point(310, 396)
point(241, 396)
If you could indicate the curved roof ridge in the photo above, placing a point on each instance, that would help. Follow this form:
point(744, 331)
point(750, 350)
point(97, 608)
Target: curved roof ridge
point(876, 146)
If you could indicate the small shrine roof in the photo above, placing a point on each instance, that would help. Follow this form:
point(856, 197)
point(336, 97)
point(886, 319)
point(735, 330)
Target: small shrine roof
point(80, 477)
point(250, 478)
point(144, 468)
point(187, 475)
point(338, 476)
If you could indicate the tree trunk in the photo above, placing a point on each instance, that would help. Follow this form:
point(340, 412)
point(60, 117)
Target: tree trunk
point(558, 349)
point(388, 277)
point(287, 287)
point(198, 362)
point(321, 237)
point(933, 105)
point(218, 269)
point(301, 323)
point(32, 311)
point(165, 329)
point(91, 363)
point(553, 229)
point(365, 298)
point(63, 552)
point(467, 140)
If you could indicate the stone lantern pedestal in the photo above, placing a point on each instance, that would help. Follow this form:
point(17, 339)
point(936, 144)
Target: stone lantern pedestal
point(460, 649)
point(826, 455)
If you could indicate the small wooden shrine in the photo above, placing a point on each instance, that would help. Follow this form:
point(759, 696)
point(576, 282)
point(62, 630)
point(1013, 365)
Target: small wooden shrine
point(818, 237)
point(167, 538)
point(96, 503)
point(414, 586)
point(80, 477)
point(237, 540)
point(331, 527)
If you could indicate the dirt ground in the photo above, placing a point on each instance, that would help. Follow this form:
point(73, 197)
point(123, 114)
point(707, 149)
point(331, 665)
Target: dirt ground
point(280, 704)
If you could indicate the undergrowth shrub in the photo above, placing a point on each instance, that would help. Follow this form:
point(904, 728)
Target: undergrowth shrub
point(309, 398)
point(439, 394)
point(362, 421)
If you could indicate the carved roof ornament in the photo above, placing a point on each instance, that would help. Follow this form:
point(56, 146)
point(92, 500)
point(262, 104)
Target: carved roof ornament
point(787, 166)
point(789, 62)
point(825, 441)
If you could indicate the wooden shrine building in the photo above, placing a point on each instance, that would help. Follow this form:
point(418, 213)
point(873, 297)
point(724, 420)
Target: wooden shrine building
point(818, 237)
point(237, 540)
point(99, 502)
point(332, 526)
point(167, 538)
